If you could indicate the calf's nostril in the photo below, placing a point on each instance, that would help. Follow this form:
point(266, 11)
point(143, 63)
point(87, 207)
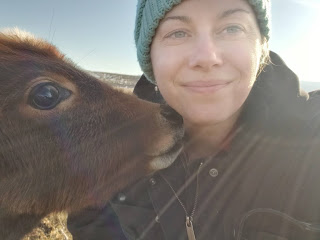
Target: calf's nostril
point(171, 115)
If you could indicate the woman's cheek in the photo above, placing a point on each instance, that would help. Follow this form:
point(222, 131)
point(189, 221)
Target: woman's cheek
point(246, 59)
point(164, 64)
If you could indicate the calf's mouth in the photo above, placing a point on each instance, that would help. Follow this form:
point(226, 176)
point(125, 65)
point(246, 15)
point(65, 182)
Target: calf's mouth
point(165, 159)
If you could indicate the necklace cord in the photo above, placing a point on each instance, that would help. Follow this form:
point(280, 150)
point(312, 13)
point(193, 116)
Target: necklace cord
point(189, 218)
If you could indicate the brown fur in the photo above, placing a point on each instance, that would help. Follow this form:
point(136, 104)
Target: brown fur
point(81, 152)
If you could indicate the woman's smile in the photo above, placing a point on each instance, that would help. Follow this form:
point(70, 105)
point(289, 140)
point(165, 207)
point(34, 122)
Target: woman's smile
point(204, 87)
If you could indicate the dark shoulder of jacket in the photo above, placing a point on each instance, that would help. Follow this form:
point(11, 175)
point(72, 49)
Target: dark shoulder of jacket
point(312, 117)
point(314, 104)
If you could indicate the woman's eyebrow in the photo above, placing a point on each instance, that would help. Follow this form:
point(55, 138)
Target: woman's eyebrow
point(183, 19)
point(232, 11)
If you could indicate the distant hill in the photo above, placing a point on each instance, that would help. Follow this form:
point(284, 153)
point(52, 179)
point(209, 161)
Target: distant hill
point(116, 79)
point(310, 86)
point(128, 81)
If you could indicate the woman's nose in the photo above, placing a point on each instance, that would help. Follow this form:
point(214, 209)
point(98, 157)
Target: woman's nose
point(205, 54)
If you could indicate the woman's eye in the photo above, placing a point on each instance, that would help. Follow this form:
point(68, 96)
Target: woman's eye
point(177, 34)
point(233, 29)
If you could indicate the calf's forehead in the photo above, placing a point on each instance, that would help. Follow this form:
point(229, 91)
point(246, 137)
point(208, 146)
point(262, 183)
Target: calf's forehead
point(23, 59)
point(18, 42)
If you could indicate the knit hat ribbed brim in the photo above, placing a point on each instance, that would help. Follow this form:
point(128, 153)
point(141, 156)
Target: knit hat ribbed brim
point(150, 13)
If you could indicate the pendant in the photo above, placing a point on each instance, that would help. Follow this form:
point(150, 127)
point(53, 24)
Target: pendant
point(190, 231)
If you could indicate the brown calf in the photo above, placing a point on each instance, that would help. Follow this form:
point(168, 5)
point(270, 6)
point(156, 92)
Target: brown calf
point(68, 140)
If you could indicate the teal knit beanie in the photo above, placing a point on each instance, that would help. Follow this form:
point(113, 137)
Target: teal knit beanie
point(150, 12)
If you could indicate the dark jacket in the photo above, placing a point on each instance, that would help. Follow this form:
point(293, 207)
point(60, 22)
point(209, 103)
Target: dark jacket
point(264, 185)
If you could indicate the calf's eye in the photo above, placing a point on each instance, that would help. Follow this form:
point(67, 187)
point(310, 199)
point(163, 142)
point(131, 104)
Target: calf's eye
point(46, 96)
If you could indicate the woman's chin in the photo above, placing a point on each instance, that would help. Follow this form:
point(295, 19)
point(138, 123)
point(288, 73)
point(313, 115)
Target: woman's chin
point(198, 119)
point(201, 119)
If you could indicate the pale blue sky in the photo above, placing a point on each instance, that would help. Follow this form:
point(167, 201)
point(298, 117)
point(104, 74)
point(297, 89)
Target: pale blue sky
point(98, 34)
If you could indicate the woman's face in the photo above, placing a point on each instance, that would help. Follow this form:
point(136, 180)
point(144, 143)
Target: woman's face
point(205, 58)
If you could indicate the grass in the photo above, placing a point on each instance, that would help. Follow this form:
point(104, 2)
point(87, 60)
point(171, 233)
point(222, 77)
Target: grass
point(52, 227)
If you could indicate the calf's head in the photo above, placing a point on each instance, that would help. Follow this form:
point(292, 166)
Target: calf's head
point(68, 140)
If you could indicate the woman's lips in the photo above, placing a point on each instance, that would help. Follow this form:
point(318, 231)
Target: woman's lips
point(205, 86)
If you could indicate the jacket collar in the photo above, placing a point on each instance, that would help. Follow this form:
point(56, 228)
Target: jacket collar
point(276, 98)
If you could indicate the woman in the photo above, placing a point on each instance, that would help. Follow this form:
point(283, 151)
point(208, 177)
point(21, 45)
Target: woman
point(250, 166)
